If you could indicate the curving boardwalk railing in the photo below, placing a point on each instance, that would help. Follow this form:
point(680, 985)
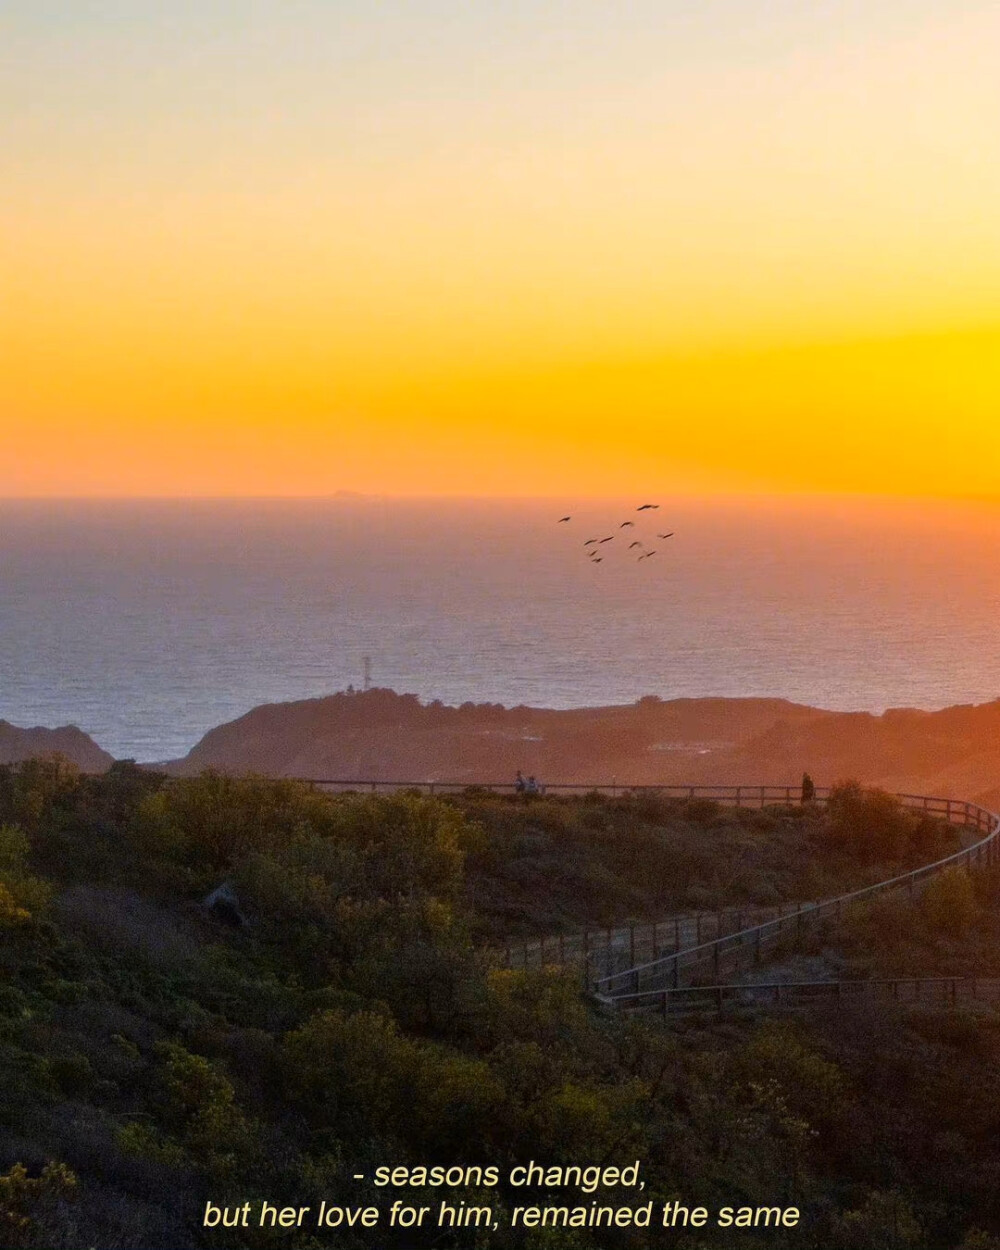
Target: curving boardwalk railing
point(731, 951)
point(931, 992)
point(606, 949)
point(734, 951)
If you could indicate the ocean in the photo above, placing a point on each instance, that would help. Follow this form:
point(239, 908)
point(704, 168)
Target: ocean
point(147, 623)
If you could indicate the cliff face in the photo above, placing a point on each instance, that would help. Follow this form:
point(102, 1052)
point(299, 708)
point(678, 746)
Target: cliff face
point(383, 735)
point(80, 749)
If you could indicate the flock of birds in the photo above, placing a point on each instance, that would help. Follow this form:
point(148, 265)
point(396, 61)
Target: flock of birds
point(593, 547)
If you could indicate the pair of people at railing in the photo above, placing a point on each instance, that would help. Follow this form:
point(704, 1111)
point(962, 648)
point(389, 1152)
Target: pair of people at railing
point(527, 785)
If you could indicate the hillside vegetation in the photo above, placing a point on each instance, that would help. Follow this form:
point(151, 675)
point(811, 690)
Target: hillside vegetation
point(340, 1016)
point(559, 864)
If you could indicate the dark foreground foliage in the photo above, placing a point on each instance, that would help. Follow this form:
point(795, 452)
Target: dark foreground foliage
point(154, 1056)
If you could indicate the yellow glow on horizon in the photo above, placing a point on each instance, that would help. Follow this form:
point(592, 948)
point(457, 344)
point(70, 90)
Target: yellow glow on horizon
point(915, 414)
point(768, 271)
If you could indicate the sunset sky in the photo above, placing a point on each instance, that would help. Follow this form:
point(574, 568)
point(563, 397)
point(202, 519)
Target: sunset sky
point(518, 248)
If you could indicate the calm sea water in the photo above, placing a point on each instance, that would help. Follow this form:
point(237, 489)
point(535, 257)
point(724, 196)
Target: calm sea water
point(148, 623)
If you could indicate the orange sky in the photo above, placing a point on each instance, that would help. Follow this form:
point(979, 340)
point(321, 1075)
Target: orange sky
point(418, 250)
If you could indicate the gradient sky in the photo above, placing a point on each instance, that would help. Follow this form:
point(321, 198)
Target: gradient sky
point(522, 248)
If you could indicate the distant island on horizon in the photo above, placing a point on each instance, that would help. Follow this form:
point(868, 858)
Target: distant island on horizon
point(381, 735)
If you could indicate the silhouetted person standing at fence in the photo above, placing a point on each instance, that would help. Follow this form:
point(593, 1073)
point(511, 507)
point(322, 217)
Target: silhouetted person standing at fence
point(808, 789)
point(519, 783)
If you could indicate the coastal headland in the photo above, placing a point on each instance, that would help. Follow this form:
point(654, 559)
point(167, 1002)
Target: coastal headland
point(379, 735)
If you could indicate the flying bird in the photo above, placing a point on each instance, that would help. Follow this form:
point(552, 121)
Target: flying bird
point(610, 538)
point(596, 559)
point(670, 535)
point(625, 523)
point(589, 541)
point(564, 518)
point(637, 543)
point(644, 506)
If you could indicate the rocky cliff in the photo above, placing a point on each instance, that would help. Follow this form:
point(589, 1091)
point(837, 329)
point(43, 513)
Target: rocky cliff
point(22, 744)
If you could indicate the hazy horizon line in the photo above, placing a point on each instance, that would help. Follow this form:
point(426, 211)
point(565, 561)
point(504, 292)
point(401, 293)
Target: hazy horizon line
point(347, 496)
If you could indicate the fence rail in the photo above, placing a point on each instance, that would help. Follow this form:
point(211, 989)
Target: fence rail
point(732, 796)
point(919, 991)
point(745, 796)
point(738, 950)
point(606, 950)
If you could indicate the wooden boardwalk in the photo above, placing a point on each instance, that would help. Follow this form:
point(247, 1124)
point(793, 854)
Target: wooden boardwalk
point(663, 960)
point(605, 951)
point(940, 993)
point(733, 952)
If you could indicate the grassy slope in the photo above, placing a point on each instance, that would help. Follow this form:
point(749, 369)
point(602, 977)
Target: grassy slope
point(166, 1058)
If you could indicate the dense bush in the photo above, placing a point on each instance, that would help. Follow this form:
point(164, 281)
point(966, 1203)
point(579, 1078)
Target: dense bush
point(874, 827)
point(949, 902)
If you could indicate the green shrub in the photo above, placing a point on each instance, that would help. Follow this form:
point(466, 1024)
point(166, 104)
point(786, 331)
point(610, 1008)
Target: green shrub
point(22, 895)
point(949, 904)
point(23, 1198)
point(871, 825)
point(700, 811)
point(198, 1119)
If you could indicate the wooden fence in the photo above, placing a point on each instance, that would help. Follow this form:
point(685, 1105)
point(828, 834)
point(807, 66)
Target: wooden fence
point(913, 991)
point(669, 954)
point(733, 796)
point(603, 951)
point(735, 951)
